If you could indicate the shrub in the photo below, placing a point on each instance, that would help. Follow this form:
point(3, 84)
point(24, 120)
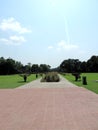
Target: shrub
point(51, 77)
point(24, 76)
point(77, 76)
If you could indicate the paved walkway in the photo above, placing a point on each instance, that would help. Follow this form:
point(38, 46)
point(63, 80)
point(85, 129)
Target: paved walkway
point(37, 84)
point(66, 108)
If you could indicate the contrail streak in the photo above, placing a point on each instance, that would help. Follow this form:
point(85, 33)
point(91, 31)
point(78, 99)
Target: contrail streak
point(66, 30)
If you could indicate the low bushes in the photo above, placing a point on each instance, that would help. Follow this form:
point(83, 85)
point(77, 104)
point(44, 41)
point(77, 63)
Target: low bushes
point(77, 76)
point(50, 77)
point(24, 76)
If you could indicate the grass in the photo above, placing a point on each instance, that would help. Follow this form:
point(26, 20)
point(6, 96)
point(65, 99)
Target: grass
point(13, 81)
point(91, 81)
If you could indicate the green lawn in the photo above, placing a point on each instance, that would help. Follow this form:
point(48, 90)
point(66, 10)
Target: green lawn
point(13, 81)
point(91, 81)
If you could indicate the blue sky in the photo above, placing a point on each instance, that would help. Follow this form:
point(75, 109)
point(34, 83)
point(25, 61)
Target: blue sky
point(48, 31)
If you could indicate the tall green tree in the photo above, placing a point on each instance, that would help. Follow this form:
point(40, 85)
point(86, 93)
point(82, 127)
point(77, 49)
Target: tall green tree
point(44, 68)
point(92, 64)
point(83, 66)
point(35, 68)
point(70, 65)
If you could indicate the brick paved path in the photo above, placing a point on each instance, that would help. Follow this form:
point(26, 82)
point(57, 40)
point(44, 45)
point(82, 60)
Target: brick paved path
point(48, 106)
point(70, 108)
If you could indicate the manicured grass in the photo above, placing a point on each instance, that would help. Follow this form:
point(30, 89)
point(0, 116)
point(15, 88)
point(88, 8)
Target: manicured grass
point(13, 81)
point(91, 81)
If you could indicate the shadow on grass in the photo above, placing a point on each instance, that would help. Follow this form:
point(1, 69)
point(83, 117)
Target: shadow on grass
point(20, 82)
point(23, 82)
point(77, 81)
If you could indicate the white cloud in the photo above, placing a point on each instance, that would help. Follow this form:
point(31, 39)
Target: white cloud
point(63, 45)
point(50, 47)
point(66, 46)
point(13, 25)
point(13, 40)
point(14, 30)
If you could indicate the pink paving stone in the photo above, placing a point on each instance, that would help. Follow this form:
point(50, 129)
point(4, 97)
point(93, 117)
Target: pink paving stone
point(48, 109)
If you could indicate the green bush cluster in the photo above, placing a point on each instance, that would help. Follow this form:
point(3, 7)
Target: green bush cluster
point(50, 77)
point(77, 76)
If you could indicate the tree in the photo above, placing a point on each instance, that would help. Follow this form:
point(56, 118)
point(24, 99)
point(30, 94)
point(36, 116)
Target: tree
point(19, 67)
point(35, 68)
point(70, 65)
point(77, 76)
point(2, 66)
point(9, 66)
point(83, 66)
point(24, 76)
point(27, 68)
point(44, 68)
point(92, 64)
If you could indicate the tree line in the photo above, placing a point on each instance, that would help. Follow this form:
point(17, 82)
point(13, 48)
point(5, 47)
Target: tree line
point(10, 66)
point(75, 65)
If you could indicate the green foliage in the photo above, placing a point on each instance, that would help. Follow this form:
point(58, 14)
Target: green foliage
point(84, 81)
point(13, 81)
point(74, 65)
point(77, 76)
point(9, 66)
point(92, 79)
point(70, 65)
point(24, 76)
point(35, 68)
point(44, 68)
point(50, 77)
point(92, 64)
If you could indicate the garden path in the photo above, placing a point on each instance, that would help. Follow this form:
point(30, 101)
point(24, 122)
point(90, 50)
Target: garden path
point(70, 108)
point(52, 106)
point(37, 84)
